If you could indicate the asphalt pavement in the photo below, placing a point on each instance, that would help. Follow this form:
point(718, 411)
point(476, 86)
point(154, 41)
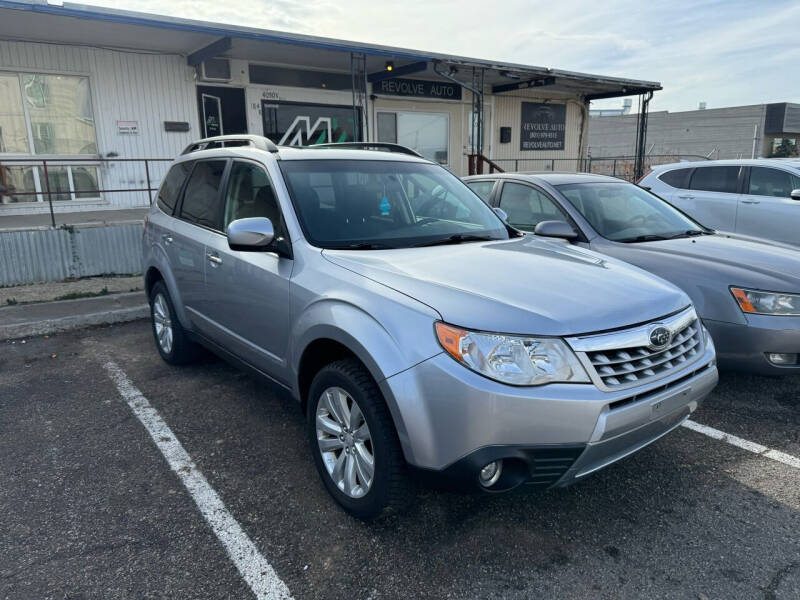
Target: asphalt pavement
point(89, 507)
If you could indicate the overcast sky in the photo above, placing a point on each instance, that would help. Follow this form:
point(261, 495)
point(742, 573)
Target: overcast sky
point(723, 52)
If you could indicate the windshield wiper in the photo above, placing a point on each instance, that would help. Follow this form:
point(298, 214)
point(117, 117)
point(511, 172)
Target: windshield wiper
point(643, 238)
point(366, 246)
point(689, 233)
point(457, 238)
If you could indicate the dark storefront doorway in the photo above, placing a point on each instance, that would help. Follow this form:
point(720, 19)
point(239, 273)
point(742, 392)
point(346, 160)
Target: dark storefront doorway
point(305, 124)
point(222, 110)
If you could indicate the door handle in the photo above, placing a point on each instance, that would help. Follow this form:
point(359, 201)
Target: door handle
point(751, 201)
point(686, 197)
point(166, 238)
point(214, 259)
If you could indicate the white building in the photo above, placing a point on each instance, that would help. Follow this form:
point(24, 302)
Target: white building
point(87, 93)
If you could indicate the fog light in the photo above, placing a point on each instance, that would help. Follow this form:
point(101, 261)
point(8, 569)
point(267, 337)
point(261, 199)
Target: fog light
point(490, 473)
point(782, 360)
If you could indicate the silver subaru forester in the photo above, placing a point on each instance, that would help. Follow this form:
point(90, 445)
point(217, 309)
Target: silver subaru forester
point(417, 330)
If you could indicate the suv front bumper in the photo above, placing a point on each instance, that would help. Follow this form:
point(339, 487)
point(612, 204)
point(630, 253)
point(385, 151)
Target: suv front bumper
point(454, 421)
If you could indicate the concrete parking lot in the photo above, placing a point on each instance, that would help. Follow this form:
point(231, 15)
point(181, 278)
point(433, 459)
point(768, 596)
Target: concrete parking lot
point(90, 508)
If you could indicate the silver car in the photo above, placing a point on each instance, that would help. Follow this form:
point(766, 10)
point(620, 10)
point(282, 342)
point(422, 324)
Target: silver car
point(746, 290)
point(416, 329)
point(759, 198)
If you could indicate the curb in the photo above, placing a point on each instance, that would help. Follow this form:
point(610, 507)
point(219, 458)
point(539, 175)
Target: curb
point(48, 326)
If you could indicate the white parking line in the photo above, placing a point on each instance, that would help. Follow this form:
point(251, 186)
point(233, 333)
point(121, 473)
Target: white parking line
point(252, 566)
point(776, 455)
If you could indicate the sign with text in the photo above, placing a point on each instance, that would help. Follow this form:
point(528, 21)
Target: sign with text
point(542, 126)
point(128, 127)
point(417, 88)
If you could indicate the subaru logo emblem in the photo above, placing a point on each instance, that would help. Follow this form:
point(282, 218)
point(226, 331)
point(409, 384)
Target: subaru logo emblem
point(660, 337)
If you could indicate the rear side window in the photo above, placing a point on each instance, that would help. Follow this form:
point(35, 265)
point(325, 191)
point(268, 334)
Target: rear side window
point(715, 179)
point(526, 207)
point(772, 182)
point(482, 188)
point(171, 186)
point(201, 201)
point(677, 178)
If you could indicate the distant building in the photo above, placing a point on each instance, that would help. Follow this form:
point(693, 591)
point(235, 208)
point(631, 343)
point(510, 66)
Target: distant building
point(734, 132)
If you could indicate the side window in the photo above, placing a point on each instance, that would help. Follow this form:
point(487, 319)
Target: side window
point(715, 179)
point(250, 194)
point(526, 207)
point(677, 178)
point(482, 188)
point(201, 198)
point(171, 186)
point(772, 182)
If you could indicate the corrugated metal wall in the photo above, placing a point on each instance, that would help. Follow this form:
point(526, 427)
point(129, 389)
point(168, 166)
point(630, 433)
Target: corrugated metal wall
point(58, 254)
point(126, 86)
point(507, 112)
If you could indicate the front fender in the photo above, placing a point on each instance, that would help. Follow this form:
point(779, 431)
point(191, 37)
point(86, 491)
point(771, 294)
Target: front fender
point(406, 339)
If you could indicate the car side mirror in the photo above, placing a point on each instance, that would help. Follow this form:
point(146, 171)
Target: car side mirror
point(795, 195)
point(501, 213)
point(556, 229)
point(254, 233)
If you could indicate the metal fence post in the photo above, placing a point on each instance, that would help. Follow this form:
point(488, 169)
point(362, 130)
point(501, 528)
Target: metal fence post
point(49, 194)
point(614, 174)
point(147, 175)
point(552, 164)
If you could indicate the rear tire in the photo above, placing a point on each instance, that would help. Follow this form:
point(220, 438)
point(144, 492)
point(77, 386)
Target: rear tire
point(362, 430)
point(168, 333)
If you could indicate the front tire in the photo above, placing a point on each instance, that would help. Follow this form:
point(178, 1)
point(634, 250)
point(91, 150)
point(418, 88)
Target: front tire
point(354, 441)
point(170, 336)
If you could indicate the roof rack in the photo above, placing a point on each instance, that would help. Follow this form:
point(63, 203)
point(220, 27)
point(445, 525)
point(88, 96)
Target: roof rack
point(231, 141)
point(386, 146)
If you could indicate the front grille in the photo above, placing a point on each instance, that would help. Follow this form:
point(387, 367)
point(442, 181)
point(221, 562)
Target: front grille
point(625, 366)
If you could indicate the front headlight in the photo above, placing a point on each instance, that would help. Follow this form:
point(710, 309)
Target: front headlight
point(767, 303)
point(516, 360)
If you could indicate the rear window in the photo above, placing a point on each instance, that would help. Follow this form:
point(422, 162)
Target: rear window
point(482, 188)
point(171, 186)
point(677, 178)
point(715, 179)
point(201, 201)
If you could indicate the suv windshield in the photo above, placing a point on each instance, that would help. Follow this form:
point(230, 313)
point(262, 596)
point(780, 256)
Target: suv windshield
point(623, 212)
point(363, 204)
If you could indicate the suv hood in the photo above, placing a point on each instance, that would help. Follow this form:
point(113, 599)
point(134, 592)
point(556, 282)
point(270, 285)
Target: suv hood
point(524, 285)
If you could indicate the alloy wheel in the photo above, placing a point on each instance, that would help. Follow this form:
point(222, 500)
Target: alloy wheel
point(345, 442)
point(162, 323)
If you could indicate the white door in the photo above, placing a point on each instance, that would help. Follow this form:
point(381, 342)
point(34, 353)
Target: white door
point(712, 197)
point(767, 209)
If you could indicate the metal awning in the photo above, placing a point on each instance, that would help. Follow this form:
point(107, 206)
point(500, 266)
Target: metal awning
point(76, 24)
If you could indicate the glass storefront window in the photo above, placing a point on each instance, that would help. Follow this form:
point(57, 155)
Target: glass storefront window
point(59, 183)
point(13, 133)
point(85, 182)
point(17, 184)
point(60, 112)
point(427, 133)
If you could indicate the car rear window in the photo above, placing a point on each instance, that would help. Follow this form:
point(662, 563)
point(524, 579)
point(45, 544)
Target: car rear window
point(171, 186)
point(715, 179)
point(201, 202)
point(677, 178)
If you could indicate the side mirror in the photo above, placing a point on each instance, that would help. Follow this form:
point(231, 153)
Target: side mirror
point(556, 229)
point(501, 213)
point(254, 233)
point(795, 195)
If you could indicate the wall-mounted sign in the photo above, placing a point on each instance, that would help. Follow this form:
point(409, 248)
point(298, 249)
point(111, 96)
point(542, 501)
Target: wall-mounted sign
point(542, 126)
point(306, 124)
point(128, 127)
point(176, 126)
point(417, 88)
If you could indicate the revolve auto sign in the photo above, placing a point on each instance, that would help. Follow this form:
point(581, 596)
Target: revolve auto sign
point(542, 126)
point(418, 88)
